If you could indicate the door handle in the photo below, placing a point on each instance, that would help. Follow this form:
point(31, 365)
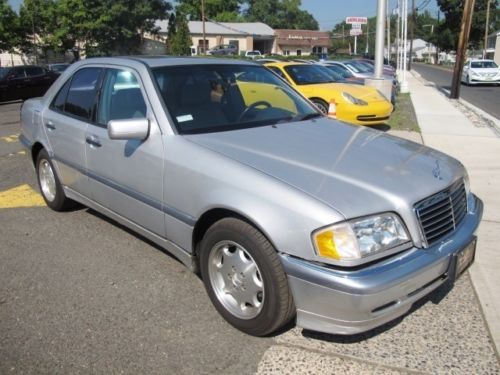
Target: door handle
point(92, 140)
point(50, 125)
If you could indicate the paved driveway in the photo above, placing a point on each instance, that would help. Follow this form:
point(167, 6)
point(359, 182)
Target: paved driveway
point(81, 294)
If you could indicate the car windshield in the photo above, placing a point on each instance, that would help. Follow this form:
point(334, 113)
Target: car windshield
point(211, 98)
point(341, 71)
point(309, 74)
point(483, 64)
point(358, 68)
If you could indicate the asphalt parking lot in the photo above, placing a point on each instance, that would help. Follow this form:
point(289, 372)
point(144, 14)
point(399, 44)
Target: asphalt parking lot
point(81, 294)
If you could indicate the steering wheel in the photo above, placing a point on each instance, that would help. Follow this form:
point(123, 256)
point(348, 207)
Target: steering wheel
point(252, 106)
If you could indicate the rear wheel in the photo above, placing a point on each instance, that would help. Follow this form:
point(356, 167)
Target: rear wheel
point(244, 278)
point(50, 187)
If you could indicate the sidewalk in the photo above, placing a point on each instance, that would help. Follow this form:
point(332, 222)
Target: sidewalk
point(446, 128)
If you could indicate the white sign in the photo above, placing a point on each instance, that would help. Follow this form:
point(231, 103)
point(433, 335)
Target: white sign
point(356, 26)
point(354, 32)
point(351, 20)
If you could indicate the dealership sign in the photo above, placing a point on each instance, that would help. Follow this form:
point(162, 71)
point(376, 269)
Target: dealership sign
point(353, 20)
point(355, 32)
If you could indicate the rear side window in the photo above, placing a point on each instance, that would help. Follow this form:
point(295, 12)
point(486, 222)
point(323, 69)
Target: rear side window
point(81, 98)
point(17, 73)
point(34, 71)
point(121, 97)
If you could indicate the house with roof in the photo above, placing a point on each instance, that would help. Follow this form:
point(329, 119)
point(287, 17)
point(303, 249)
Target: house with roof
point(300, 42)
point(246, 36)
point(493, 47)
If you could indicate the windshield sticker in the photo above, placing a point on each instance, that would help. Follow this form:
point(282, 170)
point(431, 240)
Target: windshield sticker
point(184, 118)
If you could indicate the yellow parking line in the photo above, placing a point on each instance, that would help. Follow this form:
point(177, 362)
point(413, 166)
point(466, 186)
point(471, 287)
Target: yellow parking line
point(20, 196)
point(10, 138)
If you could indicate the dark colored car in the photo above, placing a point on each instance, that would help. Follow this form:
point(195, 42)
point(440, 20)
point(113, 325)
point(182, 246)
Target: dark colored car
point(23, 82)
point(223, 49)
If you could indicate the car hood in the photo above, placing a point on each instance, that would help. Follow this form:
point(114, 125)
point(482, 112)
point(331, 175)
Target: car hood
point(484, 70)
point(355, 170)
point(368, 94)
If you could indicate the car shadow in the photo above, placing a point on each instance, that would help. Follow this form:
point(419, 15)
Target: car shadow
point(381, 127)
point(140, 237)
point(435, 297)
point(10, 102)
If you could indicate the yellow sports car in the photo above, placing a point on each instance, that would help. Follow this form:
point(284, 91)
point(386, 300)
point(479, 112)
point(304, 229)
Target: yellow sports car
point(356, 104)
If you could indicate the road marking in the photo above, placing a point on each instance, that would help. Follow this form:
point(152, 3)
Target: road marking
point(10, 138)
point(20, 196)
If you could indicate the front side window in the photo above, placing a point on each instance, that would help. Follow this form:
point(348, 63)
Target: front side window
point(121, 97)
point(209, 98)
point(81, 96)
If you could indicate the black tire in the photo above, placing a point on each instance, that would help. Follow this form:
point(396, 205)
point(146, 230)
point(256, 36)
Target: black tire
point(277, 305)
point(321, 104)
point(59, 202)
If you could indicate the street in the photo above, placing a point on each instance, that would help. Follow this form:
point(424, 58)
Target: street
point(485, 97)
point(81, 294)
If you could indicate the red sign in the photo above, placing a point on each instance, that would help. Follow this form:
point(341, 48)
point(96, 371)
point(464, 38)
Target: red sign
point(351, 20)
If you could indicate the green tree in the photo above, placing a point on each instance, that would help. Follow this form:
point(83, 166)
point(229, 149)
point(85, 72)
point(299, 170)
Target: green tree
point(449, 29)
point(217, 10)
point(180, 41)
point(102, 27)
point(280, 14)
point(9, 27)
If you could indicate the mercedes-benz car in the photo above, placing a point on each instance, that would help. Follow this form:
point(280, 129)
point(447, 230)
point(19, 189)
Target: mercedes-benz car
point(285, 213)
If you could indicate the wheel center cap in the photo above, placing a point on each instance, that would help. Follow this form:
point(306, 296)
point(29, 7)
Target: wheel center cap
point(237, 280)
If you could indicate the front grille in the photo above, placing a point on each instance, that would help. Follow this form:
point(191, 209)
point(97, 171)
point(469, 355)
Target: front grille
point(369, 118)
point(441, 213)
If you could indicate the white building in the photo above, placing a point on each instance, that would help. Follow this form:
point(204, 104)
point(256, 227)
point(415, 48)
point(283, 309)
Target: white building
point(493, 47)
point(247, 36)
point(422, 50)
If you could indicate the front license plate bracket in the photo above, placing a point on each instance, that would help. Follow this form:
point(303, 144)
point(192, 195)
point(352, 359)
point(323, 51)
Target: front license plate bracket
point(462, 260)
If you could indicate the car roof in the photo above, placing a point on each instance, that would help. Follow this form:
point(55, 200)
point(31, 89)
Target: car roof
point(163, 60)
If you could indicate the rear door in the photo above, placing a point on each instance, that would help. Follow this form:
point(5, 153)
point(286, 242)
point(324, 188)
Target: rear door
point(66, 121)
point(126, 176)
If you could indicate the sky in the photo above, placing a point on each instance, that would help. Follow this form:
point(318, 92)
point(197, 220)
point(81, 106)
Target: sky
point(330, 12)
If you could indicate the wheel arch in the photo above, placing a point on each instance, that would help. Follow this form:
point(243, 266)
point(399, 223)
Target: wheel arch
point(210, 217)
point(35, 150)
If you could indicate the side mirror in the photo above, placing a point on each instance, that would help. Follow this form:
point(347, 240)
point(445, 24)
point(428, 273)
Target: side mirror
point(129, 129)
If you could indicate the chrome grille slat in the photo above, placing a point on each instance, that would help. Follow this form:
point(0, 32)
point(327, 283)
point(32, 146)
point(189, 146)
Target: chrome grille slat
point(441, 213)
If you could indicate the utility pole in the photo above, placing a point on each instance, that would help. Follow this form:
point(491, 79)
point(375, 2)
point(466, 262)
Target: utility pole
point(486, 29)
point(463, 40)
point(412, 31)
point(379, 39)
point(367, 37)
point(388, 34)
point(437, 41)
point(403, 88)
point(203, 26)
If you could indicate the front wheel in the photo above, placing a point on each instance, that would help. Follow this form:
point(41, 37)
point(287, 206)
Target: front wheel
point(321, 105)
point(244, 278)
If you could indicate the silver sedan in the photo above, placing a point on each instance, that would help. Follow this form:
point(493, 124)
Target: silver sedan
point(285, 213)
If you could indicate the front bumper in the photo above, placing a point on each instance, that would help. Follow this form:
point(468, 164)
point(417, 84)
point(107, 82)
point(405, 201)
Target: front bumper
point(342, 301)
point(374, 113)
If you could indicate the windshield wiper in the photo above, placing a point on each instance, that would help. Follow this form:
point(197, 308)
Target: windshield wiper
point(309, 116)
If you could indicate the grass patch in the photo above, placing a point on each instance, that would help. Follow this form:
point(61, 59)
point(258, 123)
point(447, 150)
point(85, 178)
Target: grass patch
point(404, 118)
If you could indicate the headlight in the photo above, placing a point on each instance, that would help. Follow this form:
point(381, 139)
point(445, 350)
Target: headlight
point(473, 73)
point(353, 99)
point(357, 239)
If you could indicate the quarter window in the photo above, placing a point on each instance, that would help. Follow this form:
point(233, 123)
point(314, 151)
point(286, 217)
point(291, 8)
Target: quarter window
point(121, 97)
point(60, 99)
point(80, 101)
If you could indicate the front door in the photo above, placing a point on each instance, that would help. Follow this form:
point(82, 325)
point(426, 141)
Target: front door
point(16, 84)
point(126, 176)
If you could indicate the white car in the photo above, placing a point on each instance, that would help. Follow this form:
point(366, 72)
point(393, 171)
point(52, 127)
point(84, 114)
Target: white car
point(481, 71)
point(253, 54)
